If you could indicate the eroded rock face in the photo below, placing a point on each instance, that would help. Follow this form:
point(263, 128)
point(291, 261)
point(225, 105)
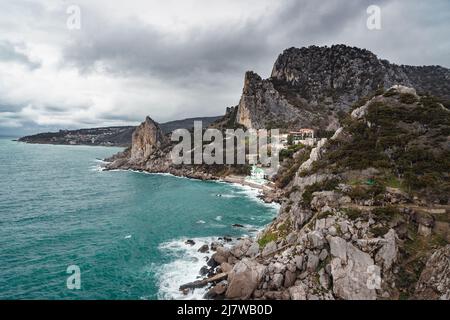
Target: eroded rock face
point(434, 282)
point(350, 270)
point(261, 103)
point(270, 248)
point(308, 85)
point(341, 74)
point(328, 198)
point(147, 138)
point(315, 155)
point(298, 292)
point(244, 279)
point(387, 254)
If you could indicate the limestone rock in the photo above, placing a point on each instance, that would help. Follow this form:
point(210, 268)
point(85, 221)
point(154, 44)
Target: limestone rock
point(226, 267)
point(350, 271)
point(434, 282)
point(299, 262)
point(324, 279)
point(387, 254)
point(253, 250)
point(270, 248)
point(298, 292)
point(289, 278)
point(316, 239)
point(277, 280)
point(313, 262)
point(147, 138)
point(328, 198)
point(315, 155)
point(221, 255)
point(244, 279)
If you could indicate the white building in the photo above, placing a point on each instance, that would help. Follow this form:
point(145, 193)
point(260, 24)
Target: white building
point(257, 173)
point(304, 136)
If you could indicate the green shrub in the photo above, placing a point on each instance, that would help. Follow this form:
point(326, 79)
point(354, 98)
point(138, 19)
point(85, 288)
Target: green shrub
point(380, 231)
point(385, 213)
point(352, 213)
point(408, 98)
point(366, 192)
point(266, 238)
point(327, 185)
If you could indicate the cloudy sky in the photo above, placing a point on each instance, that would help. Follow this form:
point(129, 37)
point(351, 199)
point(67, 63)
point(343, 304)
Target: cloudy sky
point(173, 59)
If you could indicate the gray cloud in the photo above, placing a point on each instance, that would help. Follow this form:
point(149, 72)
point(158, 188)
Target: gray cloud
point(9, 52)
point(133, 47)
point(120, 67)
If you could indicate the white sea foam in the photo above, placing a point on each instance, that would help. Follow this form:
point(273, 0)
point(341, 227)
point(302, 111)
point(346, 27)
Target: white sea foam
point(250, 192)
point(201, 221)
point(184, 269)
point(228, 196)
point(188, 261)
point(253, 194)
point(97, 168)
point(128, 236)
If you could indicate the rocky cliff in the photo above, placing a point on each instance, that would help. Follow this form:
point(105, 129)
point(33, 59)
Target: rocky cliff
point(365, 213)
point(309, 86)
point(150, 151)
point(147, 138)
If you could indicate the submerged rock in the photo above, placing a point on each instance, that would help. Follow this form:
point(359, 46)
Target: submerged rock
point(204, 248)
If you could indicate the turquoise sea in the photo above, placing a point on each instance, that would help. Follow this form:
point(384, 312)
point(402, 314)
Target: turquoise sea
point(124, 230)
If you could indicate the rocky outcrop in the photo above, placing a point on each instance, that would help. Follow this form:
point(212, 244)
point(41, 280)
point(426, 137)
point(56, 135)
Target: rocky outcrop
point(341, 75)
point(434, 282)
point(387, 254)
point(350, 270)
point(262, 106)
point(147, 138)
point(343, 231)
point(315, 155)
point(244, 279)
point(308, 86)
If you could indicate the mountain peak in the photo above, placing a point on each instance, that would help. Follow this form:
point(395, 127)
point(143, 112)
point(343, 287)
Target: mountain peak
point(310, 85)
point(147, 138)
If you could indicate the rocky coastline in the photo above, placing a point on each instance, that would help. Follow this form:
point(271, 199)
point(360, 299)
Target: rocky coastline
point(364, 213)
point(330, 242)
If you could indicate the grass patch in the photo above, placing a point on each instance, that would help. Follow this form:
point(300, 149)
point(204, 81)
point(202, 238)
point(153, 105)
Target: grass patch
point(415, 254)
point(380, 231)
point(392, 182)
point(366, 192)
point(266, 238)
point(385, 213)
point(352, 213)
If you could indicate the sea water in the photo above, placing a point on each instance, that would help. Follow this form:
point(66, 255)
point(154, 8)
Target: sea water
point(126, 231)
